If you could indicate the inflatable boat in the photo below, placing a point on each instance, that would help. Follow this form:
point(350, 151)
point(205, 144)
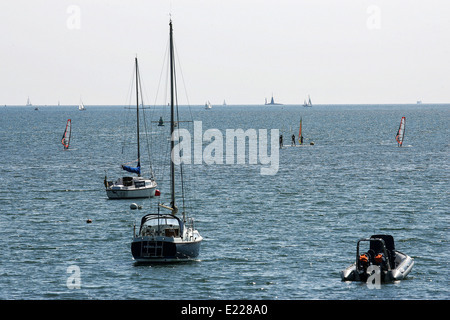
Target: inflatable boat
point(392, 264)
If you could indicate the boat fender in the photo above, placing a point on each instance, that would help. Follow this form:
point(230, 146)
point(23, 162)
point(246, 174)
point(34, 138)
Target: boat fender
point(157, 193)
point(133, 206)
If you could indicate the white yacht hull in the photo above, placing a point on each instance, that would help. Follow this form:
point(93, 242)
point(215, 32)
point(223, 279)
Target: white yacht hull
point(130, 193)
point(135, 188)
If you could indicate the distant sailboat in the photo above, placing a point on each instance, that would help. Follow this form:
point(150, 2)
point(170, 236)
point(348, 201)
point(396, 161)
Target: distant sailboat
point(28, 102)
point(208, 105)
point(81, 106)
point(401, 132)
point(224, 103)
point(272, 102)
point(308, 104)
point(66, 135)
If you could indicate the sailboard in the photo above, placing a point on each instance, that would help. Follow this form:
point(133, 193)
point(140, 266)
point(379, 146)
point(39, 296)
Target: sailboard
point(66, 136)
point(401, 132)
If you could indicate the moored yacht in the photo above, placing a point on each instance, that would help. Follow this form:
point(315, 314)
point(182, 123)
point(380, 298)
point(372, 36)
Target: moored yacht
point(167, 237)
point(129, 187)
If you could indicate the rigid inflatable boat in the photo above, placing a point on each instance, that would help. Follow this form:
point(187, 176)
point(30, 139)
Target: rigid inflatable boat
point(393, 264)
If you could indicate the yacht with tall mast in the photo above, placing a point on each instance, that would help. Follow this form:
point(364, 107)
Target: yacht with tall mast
point(129, 187)
point(166, 236)
point(308, 103)
point(272, 102)
point(81, 106)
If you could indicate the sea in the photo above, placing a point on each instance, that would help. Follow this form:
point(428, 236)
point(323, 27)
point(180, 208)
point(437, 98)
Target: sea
point(279, 236)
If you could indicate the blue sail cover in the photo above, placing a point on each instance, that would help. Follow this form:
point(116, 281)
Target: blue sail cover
point(132, 169)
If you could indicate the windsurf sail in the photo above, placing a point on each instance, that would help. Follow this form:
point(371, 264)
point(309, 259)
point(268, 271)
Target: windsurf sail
point(66, 136)
point(300, 137)
point(401, 132)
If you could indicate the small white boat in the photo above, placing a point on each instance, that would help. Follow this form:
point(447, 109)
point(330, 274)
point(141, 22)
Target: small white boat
point(130, 187)
point(81, 106)
point(393, 264)
point(309, 103)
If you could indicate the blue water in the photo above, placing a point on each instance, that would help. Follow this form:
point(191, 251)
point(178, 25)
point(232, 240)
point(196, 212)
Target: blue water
point(284, 236)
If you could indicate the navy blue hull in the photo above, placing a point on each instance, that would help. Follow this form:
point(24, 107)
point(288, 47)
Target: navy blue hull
point(164, 251)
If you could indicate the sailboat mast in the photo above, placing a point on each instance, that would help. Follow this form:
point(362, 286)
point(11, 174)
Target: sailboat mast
point(172, 127)
point(137, 115)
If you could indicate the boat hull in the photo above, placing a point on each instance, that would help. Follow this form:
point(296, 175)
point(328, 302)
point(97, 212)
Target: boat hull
point(131, 188)
point(164, 249)
point(130, 193)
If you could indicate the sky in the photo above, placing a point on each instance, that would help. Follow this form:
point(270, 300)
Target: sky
point(241, 51)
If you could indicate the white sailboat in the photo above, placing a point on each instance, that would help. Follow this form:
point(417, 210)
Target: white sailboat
point(208, 105)
point(166, 237)
point(129, 187)
point(81, 106)
point(307, 104)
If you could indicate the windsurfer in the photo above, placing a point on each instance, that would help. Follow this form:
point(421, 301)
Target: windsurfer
point(293, 140)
